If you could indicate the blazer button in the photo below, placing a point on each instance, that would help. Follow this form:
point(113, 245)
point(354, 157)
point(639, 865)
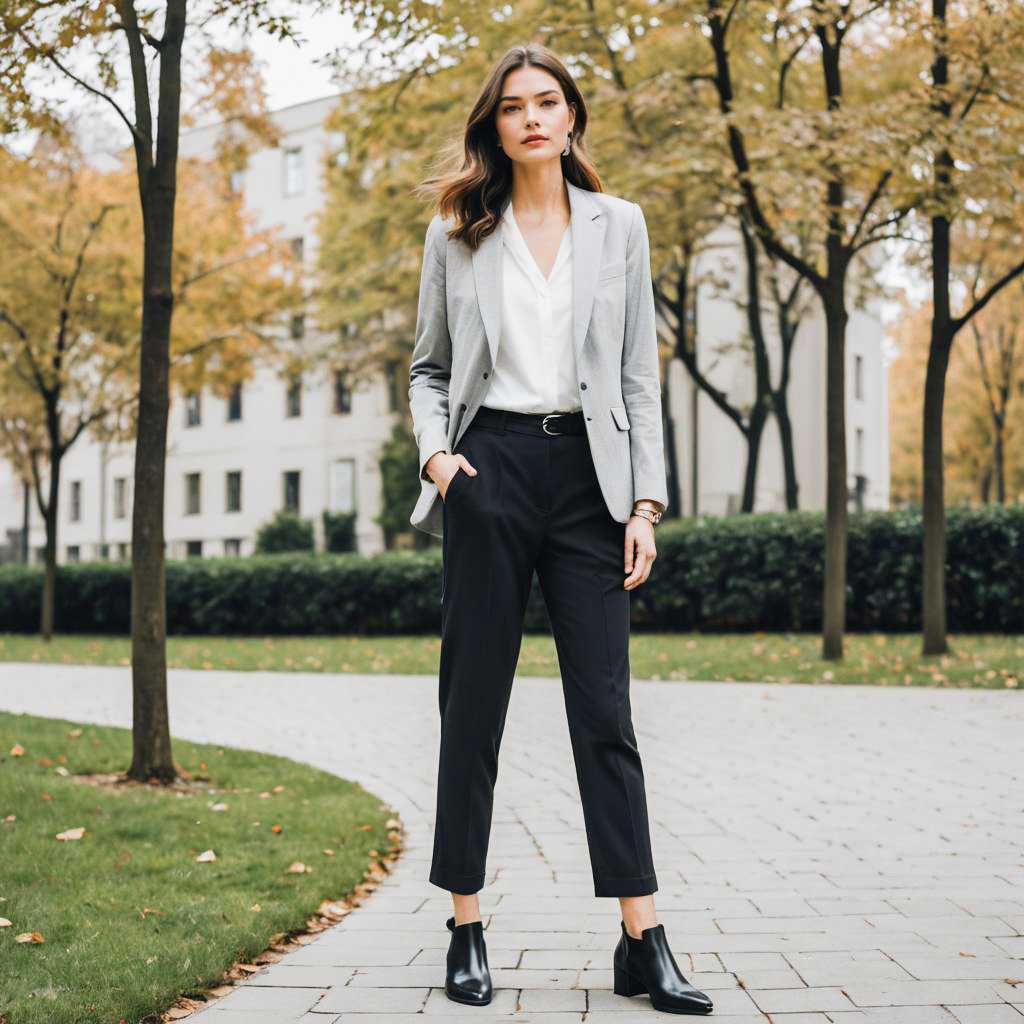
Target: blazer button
point(583, 385)
point(485, 375)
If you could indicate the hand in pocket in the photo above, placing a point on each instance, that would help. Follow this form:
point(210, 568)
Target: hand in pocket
point(447, 469)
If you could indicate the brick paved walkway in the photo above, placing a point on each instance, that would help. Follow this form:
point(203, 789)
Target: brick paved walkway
point(824, 853)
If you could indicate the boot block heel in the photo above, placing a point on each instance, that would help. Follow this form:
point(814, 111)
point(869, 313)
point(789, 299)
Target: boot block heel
point(624, 984)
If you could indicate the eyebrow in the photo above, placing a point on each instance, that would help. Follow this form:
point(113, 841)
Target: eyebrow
point(542, 93)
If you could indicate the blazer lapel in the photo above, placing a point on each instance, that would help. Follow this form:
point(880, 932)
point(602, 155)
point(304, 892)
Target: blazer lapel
point(587, 226)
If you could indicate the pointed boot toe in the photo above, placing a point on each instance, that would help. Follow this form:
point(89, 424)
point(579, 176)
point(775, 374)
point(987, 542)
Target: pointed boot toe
point(469, 978)
point(647, 965)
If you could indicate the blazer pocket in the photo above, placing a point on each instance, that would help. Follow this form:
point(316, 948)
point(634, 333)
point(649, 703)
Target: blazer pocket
point(613, 271)
point(621, 419)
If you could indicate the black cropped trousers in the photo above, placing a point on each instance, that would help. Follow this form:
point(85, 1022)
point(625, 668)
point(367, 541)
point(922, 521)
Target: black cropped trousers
point(535, 504)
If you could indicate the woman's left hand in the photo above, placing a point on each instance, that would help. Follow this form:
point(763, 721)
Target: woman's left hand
point(640, 550)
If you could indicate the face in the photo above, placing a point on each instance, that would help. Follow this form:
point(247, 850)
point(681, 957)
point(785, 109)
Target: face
point(533, 105)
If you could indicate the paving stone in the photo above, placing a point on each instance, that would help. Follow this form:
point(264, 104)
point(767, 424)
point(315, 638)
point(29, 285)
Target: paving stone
point(547, 1000)
point(992, 1013)
point(259, 997)
point(367, 1000)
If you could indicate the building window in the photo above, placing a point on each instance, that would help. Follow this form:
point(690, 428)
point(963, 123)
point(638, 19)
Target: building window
point(858, 376)
point(235, 403)
point(232, 547)
point(298, 248)
point(191, 494)
point(233, 501)
point(123, 551)
point(293, 398)
point(104, 551)
point(342, 394)
point(858, 451)
point(294, 174)
point(341, 485)
point(74, 553)
point(192, 409)
point(120, 497)
point(291, 490)
point(194, 549)
point(76, 501)
point(237, 180)
point(298, 326)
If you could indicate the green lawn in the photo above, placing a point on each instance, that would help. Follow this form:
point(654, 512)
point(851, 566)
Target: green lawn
point(130, 920)
point(886, 659)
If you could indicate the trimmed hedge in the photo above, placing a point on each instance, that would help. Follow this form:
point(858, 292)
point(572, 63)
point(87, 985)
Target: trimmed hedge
point(761, 572)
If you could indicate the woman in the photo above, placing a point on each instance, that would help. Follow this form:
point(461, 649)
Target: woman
point(535, 393)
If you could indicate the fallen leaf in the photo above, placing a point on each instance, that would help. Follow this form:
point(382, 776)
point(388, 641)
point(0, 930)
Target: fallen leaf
point(219, 807)
point(29, 937)
point(4, 923)
point(275, 828)
point(17, 750)
point(206, 855)
point(298, 868)
point(72, 833)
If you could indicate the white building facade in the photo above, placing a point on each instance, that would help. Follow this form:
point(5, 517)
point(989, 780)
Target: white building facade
point(710, 450)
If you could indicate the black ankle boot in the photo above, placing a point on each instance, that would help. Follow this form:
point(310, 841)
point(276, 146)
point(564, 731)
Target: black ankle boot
point(469, 978)
point(647, 965)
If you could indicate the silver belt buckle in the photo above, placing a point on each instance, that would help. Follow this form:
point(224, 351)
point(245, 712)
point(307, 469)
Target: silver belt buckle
point(544, 425)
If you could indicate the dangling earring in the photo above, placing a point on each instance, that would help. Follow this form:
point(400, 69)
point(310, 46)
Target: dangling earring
point(568, 145)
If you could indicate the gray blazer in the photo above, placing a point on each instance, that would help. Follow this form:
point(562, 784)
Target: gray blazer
point(458, 328)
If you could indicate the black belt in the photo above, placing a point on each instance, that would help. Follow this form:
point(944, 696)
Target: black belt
point(549, 424)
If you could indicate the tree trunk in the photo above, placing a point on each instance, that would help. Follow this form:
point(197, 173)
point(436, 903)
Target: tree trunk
point(999, 460)
point(780, 401)
point(834, 602)
point(755, 430)
point(671, 453)
point(151, 739)
point(933, 501)
point(46, 614)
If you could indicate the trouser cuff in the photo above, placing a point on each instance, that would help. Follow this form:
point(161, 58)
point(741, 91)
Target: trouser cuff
point(464, 885)
point(635, 885)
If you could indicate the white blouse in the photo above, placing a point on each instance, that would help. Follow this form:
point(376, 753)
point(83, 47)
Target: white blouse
point(535, 368)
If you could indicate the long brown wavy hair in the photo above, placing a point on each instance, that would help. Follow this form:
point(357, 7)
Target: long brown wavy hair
point(475, 190)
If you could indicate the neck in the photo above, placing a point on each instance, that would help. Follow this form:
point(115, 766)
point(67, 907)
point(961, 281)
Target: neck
point(539, 191)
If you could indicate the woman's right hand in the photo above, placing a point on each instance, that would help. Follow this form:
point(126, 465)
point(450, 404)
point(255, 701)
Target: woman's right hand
point(442, 467)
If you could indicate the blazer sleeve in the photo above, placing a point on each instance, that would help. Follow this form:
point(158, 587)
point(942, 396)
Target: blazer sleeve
point(641, 369)
point(431, 366)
